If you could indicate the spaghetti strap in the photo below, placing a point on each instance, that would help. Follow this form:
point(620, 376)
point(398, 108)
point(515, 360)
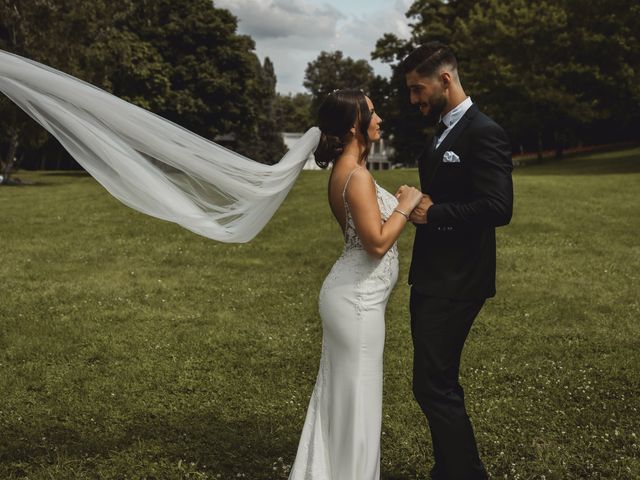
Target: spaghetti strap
point(344, 190)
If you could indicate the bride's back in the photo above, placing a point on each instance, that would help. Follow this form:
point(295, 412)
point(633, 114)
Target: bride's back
point(338, 181)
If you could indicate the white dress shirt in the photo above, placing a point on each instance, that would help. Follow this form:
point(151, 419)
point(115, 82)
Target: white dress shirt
point(452, 117)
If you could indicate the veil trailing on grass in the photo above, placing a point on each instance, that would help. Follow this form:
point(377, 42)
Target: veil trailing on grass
point(149, 163)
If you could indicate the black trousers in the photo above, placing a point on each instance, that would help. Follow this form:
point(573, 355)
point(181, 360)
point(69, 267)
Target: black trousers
point(439, 327)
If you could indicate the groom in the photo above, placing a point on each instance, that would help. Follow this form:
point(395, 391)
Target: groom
point(465, 175)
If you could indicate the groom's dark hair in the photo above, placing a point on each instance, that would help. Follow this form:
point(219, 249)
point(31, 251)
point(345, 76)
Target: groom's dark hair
point(428, 58)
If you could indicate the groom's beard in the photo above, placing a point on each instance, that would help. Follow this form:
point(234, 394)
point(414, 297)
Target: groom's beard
point(436, 106)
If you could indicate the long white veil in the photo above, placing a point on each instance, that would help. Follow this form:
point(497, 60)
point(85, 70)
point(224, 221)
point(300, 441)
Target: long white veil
point(149, 163)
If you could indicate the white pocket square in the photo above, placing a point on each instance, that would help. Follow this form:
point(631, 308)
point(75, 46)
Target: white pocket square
point(450, 157)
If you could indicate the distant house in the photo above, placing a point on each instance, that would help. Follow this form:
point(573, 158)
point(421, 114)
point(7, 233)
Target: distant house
point(378, 157)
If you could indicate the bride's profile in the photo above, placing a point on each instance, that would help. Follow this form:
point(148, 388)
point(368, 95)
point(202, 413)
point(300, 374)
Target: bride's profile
point(341, 435)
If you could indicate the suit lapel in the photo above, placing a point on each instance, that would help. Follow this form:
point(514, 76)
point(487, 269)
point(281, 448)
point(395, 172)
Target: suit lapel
point(434, 157)
point(455, 132)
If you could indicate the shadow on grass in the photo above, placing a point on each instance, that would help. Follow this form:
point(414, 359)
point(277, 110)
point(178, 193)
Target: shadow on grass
point(602, 163)
point(252, 444)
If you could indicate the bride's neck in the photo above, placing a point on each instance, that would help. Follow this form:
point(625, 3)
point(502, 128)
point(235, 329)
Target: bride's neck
point(354, 150)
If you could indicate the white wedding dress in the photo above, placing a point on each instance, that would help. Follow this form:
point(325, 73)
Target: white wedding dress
point(341, 435)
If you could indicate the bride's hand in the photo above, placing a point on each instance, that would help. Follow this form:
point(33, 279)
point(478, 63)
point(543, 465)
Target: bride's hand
point(401, 189)
point(408, 197)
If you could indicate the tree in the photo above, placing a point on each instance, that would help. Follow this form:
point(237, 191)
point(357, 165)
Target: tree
point(331, 71)
point(198, 72)
point(261, 139)
point(197, 69)
point(533, 93)
point(293, 112)
point(606, 40)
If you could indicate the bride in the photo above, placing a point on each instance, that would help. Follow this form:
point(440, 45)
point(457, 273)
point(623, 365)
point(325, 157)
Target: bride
point(341, 434)
point(163, 170)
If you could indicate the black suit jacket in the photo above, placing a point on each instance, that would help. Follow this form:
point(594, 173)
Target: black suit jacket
point(454, 254)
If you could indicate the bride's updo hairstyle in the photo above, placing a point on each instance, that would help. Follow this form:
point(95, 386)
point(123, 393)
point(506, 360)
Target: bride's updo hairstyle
point(336, 116)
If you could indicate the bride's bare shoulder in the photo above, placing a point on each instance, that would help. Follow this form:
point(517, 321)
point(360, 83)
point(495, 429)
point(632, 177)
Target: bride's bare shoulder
point(358, 181)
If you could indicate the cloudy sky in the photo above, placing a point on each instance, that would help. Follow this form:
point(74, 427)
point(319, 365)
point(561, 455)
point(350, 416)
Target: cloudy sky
point(293, 32)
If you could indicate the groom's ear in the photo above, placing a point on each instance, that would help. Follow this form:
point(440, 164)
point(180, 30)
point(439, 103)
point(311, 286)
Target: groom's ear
point(446, 79)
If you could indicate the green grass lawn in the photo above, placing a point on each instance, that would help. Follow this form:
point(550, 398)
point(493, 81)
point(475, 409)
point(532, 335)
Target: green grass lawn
point(132, 348)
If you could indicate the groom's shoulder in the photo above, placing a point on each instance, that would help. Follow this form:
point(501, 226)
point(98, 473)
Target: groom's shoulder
point(480, 121)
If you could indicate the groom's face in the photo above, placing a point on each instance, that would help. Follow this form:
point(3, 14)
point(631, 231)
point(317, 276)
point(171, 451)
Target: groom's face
point(428, 93)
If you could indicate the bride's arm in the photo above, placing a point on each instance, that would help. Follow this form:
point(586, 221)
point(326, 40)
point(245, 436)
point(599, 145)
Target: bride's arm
point(376, 237)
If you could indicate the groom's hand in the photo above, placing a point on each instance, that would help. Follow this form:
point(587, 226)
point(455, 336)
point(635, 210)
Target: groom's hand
point(419, 214)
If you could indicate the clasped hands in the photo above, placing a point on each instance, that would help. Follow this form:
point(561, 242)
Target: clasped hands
point(419, 214)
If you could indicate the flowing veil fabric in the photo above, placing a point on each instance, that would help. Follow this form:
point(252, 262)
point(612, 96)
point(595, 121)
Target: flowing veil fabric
point(149, 163)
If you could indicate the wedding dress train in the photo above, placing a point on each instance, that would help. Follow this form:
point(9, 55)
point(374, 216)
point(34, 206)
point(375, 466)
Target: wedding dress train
point(341, 435)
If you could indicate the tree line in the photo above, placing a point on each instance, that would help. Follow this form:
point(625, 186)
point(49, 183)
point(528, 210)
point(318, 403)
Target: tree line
point(553, 74)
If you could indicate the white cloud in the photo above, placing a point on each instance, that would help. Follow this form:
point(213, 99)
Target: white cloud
point(264, 19)
point(293, 32)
